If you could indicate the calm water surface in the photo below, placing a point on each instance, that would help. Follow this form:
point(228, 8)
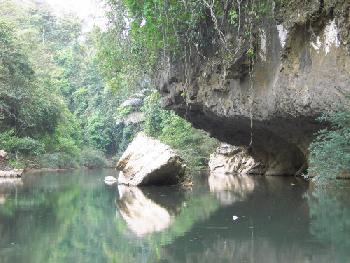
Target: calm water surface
point(74, 217)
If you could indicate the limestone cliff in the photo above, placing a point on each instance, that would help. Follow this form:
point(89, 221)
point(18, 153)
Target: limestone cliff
point(294, 66)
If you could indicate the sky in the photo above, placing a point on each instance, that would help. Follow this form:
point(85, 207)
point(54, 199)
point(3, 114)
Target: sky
point(91, 11)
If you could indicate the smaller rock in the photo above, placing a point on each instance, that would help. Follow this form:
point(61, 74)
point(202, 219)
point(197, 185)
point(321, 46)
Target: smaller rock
point(132, 102)
point(3, 155)
point(110, 180)
point(15, 173)
point(229, 159)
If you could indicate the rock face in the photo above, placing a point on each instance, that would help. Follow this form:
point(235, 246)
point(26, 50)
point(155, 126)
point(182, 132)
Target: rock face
point(229, 159)
point(133, 106)
point(301, 68)
point(147, 161)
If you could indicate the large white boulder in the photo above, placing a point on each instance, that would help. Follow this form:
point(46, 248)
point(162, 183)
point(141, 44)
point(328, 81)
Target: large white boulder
point(148, 161)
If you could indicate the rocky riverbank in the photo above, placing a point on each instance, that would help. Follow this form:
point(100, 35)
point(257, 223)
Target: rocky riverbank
point(6, 171)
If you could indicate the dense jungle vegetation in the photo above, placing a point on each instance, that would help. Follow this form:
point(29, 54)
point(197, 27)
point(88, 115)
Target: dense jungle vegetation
point(62, 90)
point(61, 93)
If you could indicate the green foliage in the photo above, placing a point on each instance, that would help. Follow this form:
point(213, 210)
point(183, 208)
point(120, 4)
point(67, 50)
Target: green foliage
point(58, 160)
point(65, 94)
point(233, 17)
point(123, 111)
point(154, 114)
point(25, 145)
point(24, 106)
point(155, 32)
point(53, 95)
point(92, 158)
point(193, 145)
point(330, 151)
point(250, 53)
point(98, 132)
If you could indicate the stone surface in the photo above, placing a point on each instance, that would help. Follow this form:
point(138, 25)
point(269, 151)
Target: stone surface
point(15, 173)
point(110, 180)
point(301, 69)
point(229, 159)
point(147, 161)
point(3, 155)
point(133, 105)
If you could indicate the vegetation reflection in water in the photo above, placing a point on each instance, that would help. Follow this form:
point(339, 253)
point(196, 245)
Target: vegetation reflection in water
point(330, 214)
point(73, 217)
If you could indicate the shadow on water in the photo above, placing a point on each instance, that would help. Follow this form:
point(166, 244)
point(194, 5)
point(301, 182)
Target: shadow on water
point(74, 217)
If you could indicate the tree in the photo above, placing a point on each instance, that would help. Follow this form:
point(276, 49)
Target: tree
point(330, 151)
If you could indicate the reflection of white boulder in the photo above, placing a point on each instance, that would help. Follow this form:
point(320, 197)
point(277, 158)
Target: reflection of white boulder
point(230, 188)
point(142, 215)
point(2, 199)
point(8, 182)
point(148, 161)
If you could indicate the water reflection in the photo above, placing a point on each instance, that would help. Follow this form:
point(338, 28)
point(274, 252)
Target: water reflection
point(2, 199)
point(6, 186)
point(253, 250)
point(230, 188)
point(330, 217)
point(8, 182)
point(71, 218)
point(142, 215)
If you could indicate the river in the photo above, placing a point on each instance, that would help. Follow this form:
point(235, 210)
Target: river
point(74, 217)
